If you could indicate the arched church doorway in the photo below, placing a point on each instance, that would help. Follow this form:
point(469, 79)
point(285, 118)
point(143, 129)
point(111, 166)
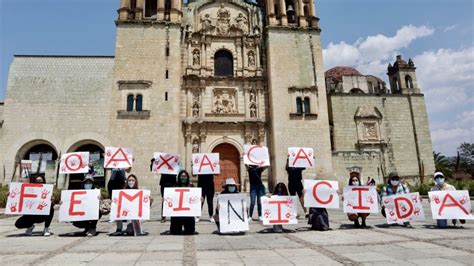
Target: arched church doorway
point(96, 158)
point(230, 164)
point(35, 158)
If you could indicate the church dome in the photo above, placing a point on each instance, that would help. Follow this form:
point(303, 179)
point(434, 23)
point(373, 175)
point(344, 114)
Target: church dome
point(336, 73)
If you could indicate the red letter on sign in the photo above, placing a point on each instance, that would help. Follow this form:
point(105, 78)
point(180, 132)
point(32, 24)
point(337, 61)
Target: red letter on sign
point(315, 195)
point(208, 162)
point(181, 192)
point(123, 159)
point(124, 194)
point(359, 205)
point(23, 195)
point(304, 156)
point(279, 202)
point(74, 202)
point(71, 166)
point(454, 203)
point(165, 162)
point(408, 213)
point(250, 158)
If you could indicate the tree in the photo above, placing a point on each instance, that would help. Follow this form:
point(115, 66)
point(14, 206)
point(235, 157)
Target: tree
point(442, 164)
point(465, 160)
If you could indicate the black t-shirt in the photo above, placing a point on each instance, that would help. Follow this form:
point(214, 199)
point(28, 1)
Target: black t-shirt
point(167, 180)
point(295, 175)
point(255, 174)
point(205, 180)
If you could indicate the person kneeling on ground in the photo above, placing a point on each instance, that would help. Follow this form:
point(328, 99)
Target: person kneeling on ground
point(354, 180)
point(28, 221)
point(177, 223)
point(134, 227)
point(90, 225)
point(441, 185)
point(280, 190)
point(395, 187)
point(230, 187)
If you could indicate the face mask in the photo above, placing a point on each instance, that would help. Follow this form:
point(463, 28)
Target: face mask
point(439, 181)
point(183, 179)
point(232, 189)
point(88, 186)
point(395, 182)
point(131, 184)
point(355, 183)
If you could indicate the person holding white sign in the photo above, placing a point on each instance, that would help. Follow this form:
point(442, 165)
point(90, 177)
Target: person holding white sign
point(295, 182)
point(354, 180)
point(178, 223)
point(134, 227)
point(91, 225)
point(28, 221)
point(394, 187)
point(441, 185)
point(230, 187)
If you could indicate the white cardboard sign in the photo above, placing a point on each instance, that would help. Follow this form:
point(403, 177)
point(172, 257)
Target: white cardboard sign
point(233, 213)
point(74, 163)
point(79, 205)
point(301, 157)
point(182, 201)
point(206, 163)
point(279, 210)
point(118, 158)
point(321, 194)
point(130, 204)
point(403, 208)
point(360, 199)
point(166, 163)
point(450, 204)
point(256, 155)
point(29, 198)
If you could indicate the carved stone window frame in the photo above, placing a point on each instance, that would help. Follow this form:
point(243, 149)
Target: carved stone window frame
point(135, 88)
point(304, 92)
point(364, 116)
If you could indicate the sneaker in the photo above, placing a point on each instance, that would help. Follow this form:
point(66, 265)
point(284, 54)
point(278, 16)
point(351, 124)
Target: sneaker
point(260, 218)
point(211, 219)
point(46, 232)
point(196, 219)
point(29, 231)
point(116, 233)
point(91, 232)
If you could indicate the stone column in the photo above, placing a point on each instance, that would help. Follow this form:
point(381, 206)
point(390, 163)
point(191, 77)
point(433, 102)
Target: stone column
point(139, 13)
point(124, 9)
point(161, 10)
point(312, 14)
point(300, 14)
point(175, 12)
point(283, 18)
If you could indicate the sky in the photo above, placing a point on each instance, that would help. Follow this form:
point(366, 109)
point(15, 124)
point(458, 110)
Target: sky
point(366, 34)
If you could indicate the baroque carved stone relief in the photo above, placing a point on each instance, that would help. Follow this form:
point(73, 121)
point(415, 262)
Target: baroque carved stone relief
point(224, 21)
point(224, 101)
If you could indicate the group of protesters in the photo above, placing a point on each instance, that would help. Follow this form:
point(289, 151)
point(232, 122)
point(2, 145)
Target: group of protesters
point(318, 218)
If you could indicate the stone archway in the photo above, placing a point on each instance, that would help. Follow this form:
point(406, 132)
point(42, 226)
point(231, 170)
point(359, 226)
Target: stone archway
point(230, 164)
point(42, 156)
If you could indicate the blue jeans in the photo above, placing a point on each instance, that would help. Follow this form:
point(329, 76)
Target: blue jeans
point(256, 191)
point(442, 223)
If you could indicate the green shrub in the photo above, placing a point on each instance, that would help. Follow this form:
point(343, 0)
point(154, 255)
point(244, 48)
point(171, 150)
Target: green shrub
point(464, 185)
point(420, 188)
point(3, 196)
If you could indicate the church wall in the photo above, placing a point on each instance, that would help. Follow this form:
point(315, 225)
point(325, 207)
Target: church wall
point(291, 56)
point(141, 61)
point(396, 130)
point(60, 100)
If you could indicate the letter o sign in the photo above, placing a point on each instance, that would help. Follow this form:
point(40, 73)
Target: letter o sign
point(71, 163)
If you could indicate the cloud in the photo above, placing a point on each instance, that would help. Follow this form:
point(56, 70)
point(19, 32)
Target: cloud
point(373, 53)
point(446, 77)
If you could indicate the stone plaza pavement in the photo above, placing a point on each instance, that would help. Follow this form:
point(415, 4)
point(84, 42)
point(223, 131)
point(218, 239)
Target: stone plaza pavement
point(378, 245)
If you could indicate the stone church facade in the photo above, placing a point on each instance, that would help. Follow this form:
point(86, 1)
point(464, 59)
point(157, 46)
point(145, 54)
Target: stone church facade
point(211, 76)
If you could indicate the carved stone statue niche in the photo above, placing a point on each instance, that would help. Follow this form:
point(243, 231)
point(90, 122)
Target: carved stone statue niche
point(195, 145)
point(241, 22)
point(251, 59)
point(196, 58)
point(206, 22)
point(253, 105)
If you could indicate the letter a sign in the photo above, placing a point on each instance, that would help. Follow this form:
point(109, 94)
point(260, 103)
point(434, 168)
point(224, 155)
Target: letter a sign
point(118, 158)
point(206, 163)
point(300, 157)
point(74, 163)
point(450, 204)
